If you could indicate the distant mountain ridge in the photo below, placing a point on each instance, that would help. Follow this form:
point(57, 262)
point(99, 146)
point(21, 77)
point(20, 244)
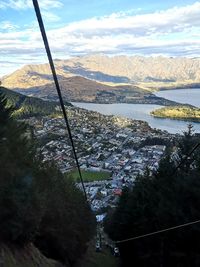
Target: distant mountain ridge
point(116, 69)
point(87, 78)
point(136, 68)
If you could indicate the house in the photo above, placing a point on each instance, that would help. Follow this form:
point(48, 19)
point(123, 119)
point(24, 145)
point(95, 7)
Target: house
point(117, 192)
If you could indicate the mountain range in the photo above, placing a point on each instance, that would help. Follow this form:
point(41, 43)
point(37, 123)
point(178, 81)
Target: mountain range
point(82, 78)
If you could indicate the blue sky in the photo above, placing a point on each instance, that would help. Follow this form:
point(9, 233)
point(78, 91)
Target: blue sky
point(78, 27)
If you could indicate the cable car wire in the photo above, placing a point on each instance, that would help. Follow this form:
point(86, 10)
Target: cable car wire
point(158, 232)
point(51, 63)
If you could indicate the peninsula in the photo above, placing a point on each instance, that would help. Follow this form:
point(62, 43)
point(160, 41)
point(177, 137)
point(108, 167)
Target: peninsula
point(183, 112)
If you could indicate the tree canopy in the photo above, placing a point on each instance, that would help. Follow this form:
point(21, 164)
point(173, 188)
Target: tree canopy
point(181, 112)
point(38, 204)
point(166, 199)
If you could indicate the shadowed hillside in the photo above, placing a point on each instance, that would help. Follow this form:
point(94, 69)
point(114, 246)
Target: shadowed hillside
point(25, 106)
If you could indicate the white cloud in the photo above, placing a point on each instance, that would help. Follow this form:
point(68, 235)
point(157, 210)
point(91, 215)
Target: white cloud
point(18, 4)
point(49, 16)
point(7, 26)
point(175, 19)
point(26, 4)
point(50, 4)
point(172, 32)
point(122, 33)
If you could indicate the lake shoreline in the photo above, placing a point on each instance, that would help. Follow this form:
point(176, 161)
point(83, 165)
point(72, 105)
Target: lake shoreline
point(142, 112)
point(150, 100)
point(184, 112)
point(180, 87)
point(177, 118)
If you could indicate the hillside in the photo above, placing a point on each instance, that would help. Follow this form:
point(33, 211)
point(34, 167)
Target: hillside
point(38, 204)
point(28, 106)
point(81, 89)
point(103, 79)
point(29, 256)
point(135, 68)
point(116, 69)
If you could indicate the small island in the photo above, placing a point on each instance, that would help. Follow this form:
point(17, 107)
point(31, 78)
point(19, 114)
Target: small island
point(189, 113)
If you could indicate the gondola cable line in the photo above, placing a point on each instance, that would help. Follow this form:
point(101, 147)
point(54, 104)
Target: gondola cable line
point(158, 232)
point(51, 63)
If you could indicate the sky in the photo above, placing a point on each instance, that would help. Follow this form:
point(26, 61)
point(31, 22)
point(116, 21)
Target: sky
point(113, 27)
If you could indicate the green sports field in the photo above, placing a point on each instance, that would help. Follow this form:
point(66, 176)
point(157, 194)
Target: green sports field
point(90, 176)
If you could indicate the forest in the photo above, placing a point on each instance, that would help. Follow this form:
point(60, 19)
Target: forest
point(24, 106)
point(38, 204)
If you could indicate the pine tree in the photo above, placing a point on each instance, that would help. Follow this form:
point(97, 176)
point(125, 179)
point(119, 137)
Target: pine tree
point(169, 198)
point(19, 203)
point(37, 203)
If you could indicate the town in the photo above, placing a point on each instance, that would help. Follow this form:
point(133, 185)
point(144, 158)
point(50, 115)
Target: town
point(119, 147)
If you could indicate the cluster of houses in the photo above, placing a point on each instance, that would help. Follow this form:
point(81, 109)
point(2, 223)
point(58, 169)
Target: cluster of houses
point(103, 143)
point(104, 194)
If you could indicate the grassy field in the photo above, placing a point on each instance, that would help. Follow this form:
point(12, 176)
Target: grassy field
point(90, 176)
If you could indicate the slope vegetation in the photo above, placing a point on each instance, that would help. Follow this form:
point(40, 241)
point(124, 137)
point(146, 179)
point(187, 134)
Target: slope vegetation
point(22, 257)
point(38, 204)
point(25, 106)
point(178, 112)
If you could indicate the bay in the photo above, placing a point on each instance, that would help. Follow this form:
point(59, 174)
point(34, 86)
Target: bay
point(184, 96)
point(142, 111)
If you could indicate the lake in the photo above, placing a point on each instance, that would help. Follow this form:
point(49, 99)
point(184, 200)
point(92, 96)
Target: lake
point(142, 111)
point(189, 96)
